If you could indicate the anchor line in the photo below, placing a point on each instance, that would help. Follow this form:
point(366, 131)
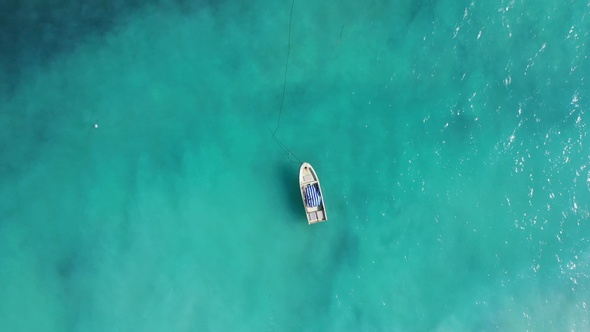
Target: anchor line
point(292, 157)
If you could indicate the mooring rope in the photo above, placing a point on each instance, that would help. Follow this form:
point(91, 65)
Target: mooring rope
point(290, 154)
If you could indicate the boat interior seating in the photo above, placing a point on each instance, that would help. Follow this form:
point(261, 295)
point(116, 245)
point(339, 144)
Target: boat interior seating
point(317, 215)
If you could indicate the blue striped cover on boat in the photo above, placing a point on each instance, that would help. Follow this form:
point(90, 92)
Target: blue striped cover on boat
point(312, 195)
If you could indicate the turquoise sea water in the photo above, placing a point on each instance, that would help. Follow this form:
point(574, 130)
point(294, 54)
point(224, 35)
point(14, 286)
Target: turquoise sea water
point(141, 189)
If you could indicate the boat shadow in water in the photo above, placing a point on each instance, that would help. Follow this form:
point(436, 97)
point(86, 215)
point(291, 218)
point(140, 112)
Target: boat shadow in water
point(292, 194)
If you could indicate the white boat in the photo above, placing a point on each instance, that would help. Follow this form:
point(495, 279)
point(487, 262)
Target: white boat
point(311, 193)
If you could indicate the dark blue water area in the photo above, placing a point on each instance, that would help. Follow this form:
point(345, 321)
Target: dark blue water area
point(32, 33)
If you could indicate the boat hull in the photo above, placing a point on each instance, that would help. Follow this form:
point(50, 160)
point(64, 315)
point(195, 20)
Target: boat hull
point(310, 187)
